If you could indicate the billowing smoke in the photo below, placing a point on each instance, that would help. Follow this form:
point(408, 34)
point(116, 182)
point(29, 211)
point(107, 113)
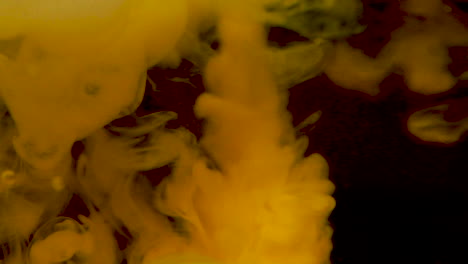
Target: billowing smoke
point(244, 193)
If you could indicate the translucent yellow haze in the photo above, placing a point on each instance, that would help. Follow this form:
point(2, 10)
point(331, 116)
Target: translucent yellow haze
point(242, 194)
